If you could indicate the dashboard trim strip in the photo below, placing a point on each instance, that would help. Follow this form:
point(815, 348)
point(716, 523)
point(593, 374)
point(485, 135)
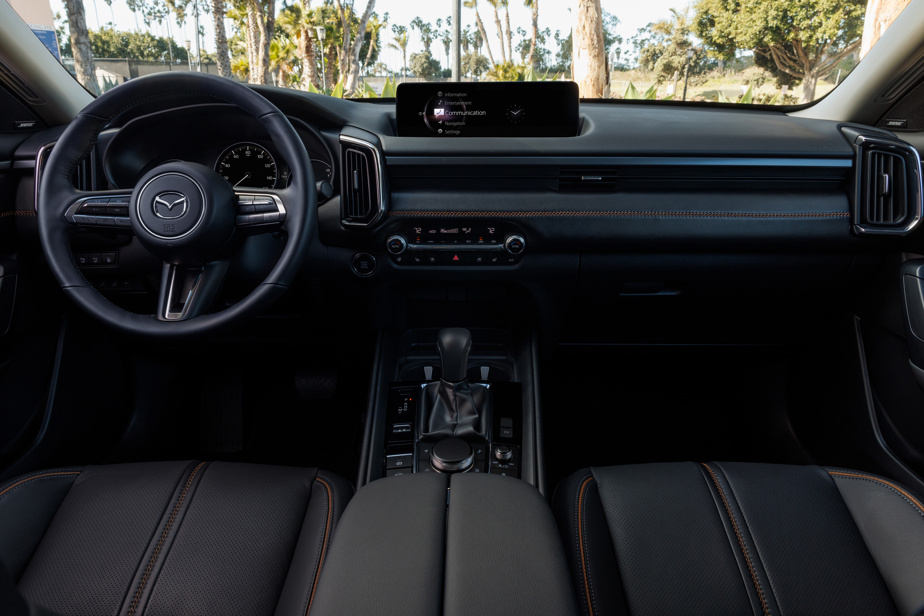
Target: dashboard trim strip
point(597, 161)
point(617, 214)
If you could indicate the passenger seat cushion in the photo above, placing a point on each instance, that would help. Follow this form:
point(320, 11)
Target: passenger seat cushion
point(733, 538)
point(173, 538)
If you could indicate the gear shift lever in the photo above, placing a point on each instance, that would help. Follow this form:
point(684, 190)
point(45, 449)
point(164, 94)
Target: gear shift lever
point(452, 407)
point(454, 344)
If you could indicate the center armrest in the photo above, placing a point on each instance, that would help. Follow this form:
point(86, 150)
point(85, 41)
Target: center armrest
point(464, 544)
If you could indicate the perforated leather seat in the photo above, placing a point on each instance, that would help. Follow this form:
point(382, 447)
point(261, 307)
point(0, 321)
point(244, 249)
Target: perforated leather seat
point(169, 538)
point(722, 538)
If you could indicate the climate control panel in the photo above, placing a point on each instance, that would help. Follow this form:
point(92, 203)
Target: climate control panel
point(456, 244)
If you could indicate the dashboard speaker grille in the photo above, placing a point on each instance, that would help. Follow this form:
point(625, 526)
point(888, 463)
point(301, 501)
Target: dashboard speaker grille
point(17, 85)
point(360, 194)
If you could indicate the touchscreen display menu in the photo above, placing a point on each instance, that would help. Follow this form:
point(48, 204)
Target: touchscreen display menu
point(488, 109)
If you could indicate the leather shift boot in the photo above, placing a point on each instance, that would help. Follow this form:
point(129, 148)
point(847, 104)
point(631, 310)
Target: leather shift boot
point(455, 410)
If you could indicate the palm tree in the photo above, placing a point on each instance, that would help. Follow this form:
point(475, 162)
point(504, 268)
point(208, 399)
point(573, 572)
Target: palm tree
point(588, 62)
point(506, 5)
point(500, 31)
point(80, 44)
point(473, 4)
point(297, 21)
point(426, 32)
point(221, 38)
point(534, 5)
point(400, 43)
point(375, 26)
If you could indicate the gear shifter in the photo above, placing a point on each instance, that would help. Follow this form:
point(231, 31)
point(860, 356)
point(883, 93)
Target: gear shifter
point(454, 344)
point(452, 407)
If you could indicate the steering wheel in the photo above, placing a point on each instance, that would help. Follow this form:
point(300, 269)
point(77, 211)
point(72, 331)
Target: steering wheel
point(183, 213)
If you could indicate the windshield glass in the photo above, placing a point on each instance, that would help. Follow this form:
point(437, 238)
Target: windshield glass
point(776, 52)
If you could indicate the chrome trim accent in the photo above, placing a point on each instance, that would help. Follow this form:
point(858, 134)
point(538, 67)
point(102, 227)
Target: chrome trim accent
point(157, 177)
point(456, 248)
point(179, 316)
point(640, 161)
point(913, 166)
point(39, 168)
point(380, 175)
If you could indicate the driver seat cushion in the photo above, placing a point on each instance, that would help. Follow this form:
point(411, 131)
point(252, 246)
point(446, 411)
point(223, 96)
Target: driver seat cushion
point(170, 538)
point(737, 538)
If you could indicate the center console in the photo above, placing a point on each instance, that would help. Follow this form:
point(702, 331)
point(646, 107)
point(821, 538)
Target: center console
point(457, 401)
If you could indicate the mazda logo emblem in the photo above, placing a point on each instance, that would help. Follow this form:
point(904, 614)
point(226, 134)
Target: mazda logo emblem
point(170, 205)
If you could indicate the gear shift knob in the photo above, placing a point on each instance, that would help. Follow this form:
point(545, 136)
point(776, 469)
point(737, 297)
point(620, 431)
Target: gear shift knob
point(454, 344)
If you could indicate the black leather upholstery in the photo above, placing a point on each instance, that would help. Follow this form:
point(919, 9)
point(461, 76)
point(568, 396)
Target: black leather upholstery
point(170, 538)
point(432, 545)
point(734, 538)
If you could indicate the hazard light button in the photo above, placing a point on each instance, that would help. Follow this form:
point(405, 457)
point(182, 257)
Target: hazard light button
point(456, 258)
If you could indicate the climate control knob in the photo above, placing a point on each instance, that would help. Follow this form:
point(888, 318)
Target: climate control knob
point(515, 244)
point(396, 244)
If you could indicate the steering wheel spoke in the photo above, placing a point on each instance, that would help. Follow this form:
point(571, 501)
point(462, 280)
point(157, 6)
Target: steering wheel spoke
point(260, 211)
point(100, 209)
point(187, 292)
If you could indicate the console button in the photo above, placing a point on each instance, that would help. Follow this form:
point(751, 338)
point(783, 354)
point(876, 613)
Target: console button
point(363, 264)
point(397, 472)
point(109, 258)
point(432, 258)
point(401, 460)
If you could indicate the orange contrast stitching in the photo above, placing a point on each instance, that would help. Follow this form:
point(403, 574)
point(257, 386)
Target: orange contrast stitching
point(882, 481)
point(330, 507)
point(163, 538)
point(580, 517)
point(744, 549)
point(28, 479)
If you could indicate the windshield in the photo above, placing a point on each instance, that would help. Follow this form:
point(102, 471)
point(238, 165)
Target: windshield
point(776, 52)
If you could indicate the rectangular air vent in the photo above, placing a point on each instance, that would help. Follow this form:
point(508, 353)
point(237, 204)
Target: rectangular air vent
point(18, 85)
point(888, 197)
point(361, 183)
point(886, 201)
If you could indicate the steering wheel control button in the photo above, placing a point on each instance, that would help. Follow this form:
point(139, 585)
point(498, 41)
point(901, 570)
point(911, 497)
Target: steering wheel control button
point(452, 455)
point(396, 244)
point(515, 244)
point(363, 264)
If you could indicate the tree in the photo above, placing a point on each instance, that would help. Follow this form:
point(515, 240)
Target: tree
point(879, 16)
point(473, 4)
point(352, 45)
point(475, 65)
point(804, 38)
point(298, 23)
point(427, 33)
point(588, 66)
point(424, 65)
point(109, 43)
point(80, 44)
point(664, 50)
point(496, 4)
point(261, 15)
point(533, 5)
point(221, 38)
point(374, 45)
point(400, 43)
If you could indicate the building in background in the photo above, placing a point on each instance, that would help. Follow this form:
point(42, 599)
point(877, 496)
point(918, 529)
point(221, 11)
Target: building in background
point(38, 16)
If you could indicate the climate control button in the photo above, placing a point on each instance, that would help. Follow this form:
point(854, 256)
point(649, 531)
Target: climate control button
point(515, 244)
point(396, 244)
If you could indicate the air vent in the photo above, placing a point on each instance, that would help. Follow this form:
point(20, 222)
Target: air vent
point(83, 177)
point(361, 194)
point(888, 186)
point(16, 84)
point(587, 179)
point(886, 201)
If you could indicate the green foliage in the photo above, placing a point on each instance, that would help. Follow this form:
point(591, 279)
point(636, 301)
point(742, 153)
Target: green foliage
point(505, 71)
point(391, 88)
point(631, 92)
point(337, 92)
point(109, 43)
point(424, 65)
point(798, 39)
point(662, 48)
point(474, 64)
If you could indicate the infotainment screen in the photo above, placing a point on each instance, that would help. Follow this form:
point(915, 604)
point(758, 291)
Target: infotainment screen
point(488, 109)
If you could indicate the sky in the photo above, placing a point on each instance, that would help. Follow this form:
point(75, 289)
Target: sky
point(553, 14)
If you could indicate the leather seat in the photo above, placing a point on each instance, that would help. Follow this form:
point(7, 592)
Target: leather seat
point(169, 538)
point(723, 538)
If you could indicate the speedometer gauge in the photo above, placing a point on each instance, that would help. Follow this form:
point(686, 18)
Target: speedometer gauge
point(247, 164)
